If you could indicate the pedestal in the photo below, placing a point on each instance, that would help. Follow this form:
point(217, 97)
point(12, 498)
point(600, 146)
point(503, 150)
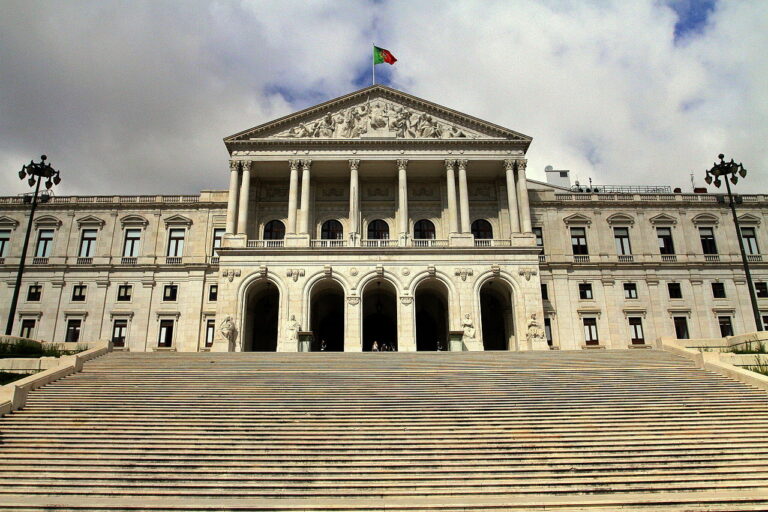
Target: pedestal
point(461, 240)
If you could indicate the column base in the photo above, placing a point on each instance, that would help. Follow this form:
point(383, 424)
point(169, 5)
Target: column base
point(461, 240)
point(296, 240)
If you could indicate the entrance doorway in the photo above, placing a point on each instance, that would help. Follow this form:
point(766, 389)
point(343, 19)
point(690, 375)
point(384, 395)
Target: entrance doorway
point(262, 311)
point(327, 316)
point(379, 315)
point(496, 314)
point(431, 316)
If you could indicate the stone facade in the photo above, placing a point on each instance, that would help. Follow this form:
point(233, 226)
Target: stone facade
point(380, 217)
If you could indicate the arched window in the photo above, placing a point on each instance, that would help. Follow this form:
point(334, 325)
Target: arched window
point(378, 230)
point(331, 230)
point(274, 230)
point(424, 230)
point(482, 229)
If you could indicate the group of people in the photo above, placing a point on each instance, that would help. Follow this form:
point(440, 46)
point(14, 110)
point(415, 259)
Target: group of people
point(382, 347)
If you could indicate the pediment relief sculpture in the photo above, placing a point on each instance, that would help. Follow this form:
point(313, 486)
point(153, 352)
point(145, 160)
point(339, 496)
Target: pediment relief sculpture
point(377, 118)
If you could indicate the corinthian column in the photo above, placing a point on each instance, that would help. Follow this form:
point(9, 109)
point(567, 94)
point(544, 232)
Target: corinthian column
point(402, 202)
point(522, 197)
point(304, 227)
point(245, 188)
point(464, 197)
point(232, 198)
point(293, 185)
point(514, 217)
point(450, 181)
point(354, 199)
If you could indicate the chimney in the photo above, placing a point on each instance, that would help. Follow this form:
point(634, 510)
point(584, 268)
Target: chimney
point(558, 177)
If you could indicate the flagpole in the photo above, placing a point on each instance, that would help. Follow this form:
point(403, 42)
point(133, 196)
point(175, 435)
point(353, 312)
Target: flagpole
point(373, 66)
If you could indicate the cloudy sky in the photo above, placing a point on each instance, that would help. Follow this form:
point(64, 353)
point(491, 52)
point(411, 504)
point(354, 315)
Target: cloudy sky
point(136, 96)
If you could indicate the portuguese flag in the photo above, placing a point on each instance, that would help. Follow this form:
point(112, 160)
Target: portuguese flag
point(381, 55)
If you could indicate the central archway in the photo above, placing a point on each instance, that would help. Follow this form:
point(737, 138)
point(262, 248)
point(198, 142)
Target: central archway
point(379, 315)
point(327, 316)
point(431, 316)
point(262, 308)
point(496, 313)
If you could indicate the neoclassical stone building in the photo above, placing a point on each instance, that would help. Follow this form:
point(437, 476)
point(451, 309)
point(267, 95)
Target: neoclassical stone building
point(379, 219)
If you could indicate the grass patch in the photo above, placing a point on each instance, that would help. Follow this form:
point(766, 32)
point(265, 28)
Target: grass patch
point(759, 367)
point(26, 348)
point(751, 347)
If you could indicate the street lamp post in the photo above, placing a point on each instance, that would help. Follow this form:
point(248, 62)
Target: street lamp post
point(34, 172)
point(729, 171)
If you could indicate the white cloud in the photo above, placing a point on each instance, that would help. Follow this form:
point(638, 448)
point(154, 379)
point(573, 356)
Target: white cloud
point(138, 95)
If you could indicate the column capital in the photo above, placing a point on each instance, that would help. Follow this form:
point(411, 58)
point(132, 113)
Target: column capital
point(402, 163)
point(521, 164)
point(233, 165)
point(353, 164)
point(305, 164)
point(462, 164)
point(509, 164)
point(450, 163)
point(246, 165)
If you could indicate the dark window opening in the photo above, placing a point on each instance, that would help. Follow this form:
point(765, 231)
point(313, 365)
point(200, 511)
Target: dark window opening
point(482, 229)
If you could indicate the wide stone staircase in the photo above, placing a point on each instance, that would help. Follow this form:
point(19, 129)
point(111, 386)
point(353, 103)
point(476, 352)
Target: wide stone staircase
point(585, 430)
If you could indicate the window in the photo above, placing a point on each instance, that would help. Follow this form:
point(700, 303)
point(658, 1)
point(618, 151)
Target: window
point(681, 327)
point(590, 331)
point(34, 292)
point(548, 330)
point(726, 328)
point(331, 230)
point(718, 290)
point(585, 291)
point(749, 239)
point(87, 243)
point(579, 241)
point(482, 229)
point(630, 290)
point(707, 236)
point(378, 230)
point(73, 330)
point(675, 291)
point(44, 243)
point(761, 290)
point(78, 293)
point(665, 240)
point(170, 292)
point(210, 331)
point(132, 243)
point(175, 242)
point(218, 234)
point(539, 233)
point(27, 328)
point(213, 293)
point(165, 337)
point(621, 236)
point(424, 230)
point(274, 230)
point(765, 322)
point(119, 331)
point(544, 293)
point(636, 330)
point(5, 242)
point(124, 292)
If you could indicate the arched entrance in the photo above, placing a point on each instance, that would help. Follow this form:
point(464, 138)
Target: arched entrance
point(431, 316)
point(262, 308)
point(497, 315)
point(379, 315)
point(327, 316)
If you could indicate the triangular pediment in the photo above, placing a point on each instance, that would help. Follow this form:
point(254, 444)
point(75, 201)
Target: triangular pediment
point(577, 219)
point(663, 219)
point(8, 223)
point(749, 219)
point(90, 220)
point(378, 112)
point(178, 220)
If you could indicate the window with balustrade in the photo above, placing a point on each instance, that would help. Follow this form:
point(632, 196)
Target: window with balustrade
point(482, 229)
point(749, 239)
point(621, 237)
point(44, 243)
point(707, 236)
point(274, 230)
point(331, 230)
point(5, 241)
point(378, 230)
point(218, 235)
point(131, 243)
point(87, 243)
point(424, 230)
point(175, 242)
point(664, 236)
point(579, 241)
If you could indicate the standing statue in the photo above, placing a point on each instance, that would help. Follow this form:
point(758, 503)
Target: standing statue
point(293, 329)
point(535, 331)
point(228, 331)
point(469, 327)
